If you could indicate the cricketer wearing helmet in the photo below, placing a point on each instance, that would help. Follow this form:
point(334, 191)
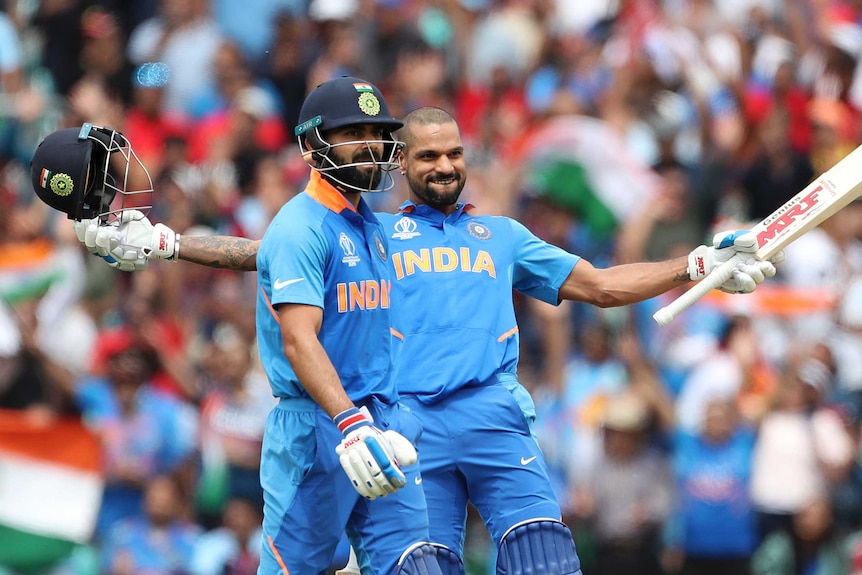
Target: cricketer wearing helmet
point(323, 329)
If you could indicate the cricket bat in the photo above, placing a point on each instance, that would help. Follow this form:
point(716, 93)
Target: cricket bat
point(820, 200)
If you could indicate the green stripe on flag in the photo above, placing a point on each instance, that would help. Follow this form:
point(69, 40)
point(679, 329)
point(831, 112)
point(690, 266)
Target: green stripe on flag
point(27, 552)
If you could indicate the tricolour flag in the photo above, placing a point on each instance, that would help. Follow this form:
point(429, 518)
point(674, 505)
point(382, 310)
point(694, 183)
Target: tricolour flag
point(363, 87)
point(50, 489)
point(44, 177)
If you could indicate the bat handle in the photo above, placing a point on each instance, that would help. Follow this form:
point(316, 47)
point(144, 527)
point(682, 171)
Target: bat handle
point(717, 277)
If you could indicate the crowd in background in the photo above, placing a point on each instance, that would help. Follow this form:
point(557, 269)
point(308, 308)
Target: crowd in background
point(622, 130)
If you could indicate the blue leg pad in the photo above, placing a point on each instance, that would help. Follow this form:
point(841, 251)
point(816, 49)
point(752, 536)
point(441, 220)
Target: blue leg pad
point(538, 546)
point(429, 559)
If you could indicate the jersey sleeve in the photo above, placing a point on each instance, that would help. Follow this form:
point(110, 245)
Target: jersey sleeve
point(539, 267)
point(294, 257)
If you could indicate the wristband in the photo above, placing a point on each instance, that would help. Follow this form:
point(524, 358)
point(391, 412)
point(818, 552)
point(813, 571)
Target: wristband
point(176, 257)
point(350, 420)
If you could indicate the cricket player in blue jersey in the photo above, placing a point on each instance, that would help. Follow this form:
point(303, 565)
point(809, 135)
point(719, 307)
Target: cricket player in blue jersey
point(454, 323)
point(338, 451)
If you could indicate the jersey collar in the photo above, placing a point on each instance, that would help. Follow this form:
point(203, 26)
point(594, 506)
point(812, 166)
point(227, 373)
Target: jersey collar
point(409, 207)
point(325, 193)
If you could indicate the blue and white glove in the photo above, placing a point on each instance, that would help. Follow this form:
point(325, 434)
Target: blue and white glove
point(372, 459)
point(128, 242)
point(748, 273)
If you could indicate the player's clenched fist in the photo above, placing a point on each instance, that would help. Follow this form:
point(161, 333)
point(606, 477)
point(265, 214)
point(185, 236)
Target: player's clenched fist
point(372, 459)
point(749, 271)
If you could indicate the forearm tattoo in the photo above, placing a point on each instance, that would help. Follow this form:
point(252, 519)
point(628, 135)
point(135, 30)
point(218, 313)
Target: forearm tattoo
point(224, 252)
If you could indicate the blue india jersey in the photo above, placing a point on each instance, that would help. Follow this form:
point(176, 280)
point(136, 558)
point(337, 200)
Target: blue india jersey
point(320, 251)
point(454, 319)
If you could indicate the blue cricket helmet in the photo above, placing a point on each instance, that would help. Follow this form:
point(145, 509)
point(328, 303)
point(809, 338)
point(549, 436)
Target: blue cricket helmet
point(343, 102)
point(348, 101)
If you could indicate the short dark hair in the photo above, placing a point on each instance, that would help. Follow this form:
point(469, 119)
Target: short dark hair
point(422, 117)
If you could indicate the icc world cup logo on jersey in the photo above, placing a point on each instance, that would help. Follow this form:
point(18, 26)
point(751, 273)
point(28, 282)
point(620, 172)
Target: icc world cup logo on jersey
point(405, 229)
point(349, 248)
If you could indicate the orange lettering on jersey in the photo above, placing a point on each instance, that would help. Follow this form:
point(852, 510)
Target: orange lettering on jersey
point(372, 294)
point(399, 266)
point(367, 294)
point(341, 291)
point(484, 263)
point(465, 259)
point(442, 260)
point(385, 288)
point(414, 261)
point(445, 259)
point(356, 296)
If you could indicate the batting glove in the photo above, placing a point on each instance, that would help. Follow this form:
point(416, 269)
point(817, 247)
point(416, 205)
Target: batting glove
point(372, 459)
point(128, 242)
point(748, 273)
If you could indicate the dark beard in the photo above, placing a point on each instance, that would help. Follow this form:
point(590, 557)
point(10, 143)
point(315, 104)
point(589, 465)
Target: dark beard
point(368, 180)
point(363, 179)
point(423, 191)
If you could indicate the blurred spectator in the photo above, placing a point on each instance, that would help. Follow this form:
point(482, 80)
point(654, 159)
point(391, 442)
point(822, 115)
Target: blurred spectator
point(287, 65)
point(777, 171)
point(629, 493)
point(232, 548)
point(845, 341)
point(713, 530)
point(59, 24)
point(233, 411)
point(736, 370)
point(833, 252)
point(252, 23)
point(144, 432)
point(570, 419)
point(158, 540)
point(147, 124)
point(387, 33)
point(184, 36)
point(801, 438)
point(810, 546)
point(675, 221)
point(103, 52)
point(11, 84)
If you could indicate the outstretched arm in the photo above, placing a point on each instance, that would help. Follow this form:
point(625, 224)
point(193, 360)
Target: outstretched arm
point(224, 252)
point(631, 283)
point(130, 241)
point(624, 284)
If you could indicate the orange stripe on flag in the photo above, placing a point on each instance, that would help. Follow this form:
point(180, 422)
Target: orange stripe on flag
point(64, 441)
point(776, 300)
point(26, 254)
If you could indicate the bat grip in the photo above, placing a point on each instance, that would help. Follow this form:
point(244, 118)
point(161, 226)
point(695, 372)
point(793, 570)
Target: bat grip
point(717, 277)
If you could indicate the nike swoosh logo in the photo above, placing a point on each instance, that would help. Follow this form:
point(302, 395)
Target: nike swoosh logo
point(526, 460)
point(417, 480)
point(281, 284)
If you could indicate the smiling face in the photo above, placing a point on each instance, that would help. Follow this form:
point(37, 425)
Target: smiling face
point(434, 164)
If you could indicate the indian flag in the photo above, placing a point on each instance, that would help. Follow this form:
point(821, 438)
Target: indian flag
point(50, 489)
point(363, 87)
point(44, 177)
point(28, 270)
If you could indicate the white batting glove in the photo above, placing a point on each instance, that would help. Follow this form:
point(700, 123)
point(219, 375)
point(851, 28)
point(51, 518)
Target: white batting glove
point(372, 459)
point(748, 273)
point(128, 242)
